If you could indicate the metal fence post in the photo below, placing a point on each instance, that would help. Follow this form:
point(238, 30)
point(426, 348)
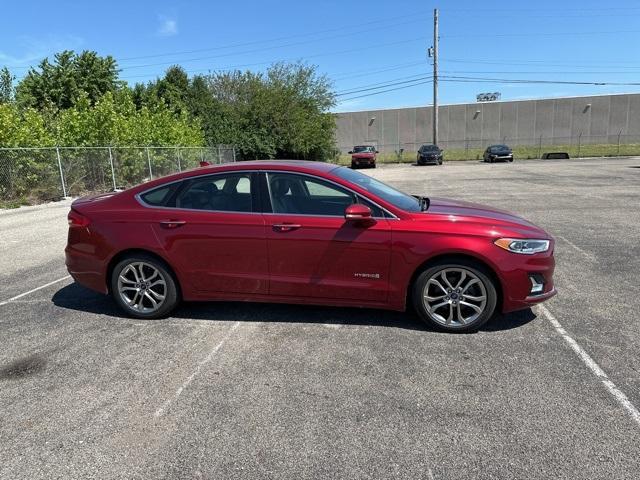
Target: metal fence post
point(64, 188)
point(619, 133)
point(540, 147)
point(149, 163)
point(113, 172)
point(233, 151)
point(178, 156)
point(219, 154)
point(579, 142)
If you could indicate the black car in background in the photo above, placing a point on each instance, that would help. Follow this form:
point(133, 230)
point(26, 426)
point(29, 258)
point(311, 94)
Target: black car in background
point(497, 153)
point(430, 154)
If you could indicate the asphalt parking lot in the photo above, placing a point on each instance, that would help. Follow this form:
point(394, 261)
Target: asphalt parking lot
point(232, 390)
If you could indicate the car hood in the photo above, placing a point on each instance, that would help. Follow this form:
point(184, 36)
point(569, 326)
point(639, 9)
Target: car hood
point(457, 210)
point(363, 155)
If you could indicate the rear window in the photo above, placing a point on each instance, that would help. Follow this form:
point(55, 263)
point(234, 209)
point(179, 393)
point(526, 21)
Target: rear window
point(157, 197)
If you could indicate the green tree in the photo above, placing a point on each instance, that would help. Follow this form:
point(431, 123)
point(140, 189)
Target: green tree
point(59, 85)
point(283, 113)
point(6, 85)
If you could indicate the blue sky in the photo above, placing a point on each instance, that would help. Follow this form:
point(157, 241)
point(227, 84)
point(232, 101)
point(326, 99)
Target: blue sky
point(358, 44)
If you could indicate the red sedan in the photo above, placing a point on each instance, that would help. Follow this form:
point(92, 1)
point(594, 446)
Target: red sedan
point(363, 156)
point(310, 233)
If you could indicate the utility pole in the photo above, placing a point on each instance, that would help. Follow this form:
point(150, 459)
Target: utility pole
point(435, 76)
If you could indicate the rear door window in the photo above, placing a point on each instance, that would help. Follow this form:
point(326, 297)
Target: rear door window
point(230, 192)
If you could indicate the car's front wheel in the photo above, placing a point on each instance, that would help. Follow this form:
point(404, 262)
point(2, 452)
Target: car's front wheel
point(455, 296)
point(144, 287)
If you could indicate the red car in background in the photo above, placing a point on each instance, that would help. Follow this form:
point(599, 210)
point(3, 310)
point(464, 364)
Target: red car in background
point(310, 233)
point(363, 156)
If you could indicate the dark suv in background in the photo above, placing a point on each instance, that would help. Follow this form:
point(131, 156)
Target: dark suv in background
point(363, 156)
point(496, 153)
point(430, 154)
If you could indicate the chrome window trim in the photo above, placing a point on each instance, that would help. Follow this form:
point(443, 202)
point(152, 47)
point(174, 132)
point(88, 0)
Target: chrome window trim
point(138, 196)
point(393, 217)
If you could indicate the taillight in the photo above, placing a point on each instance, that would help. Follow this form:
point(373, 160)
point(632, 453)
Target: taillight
point(77, 220)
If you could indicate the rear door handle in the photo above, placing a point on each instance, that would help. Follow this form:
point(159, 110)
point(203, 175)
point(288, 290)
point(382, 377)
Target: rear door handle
point(285, 227)
point(172, 223)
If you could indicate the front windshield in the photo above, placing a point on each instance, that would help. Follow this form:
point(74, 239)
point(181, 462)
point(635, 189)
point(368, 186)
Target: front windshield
point(394, 197)
point(429, 148)
point(497, 148)
point(362, 149)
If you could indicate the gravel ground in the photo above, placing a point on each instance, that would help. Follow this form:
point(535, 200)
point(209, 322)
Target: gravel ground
point(233, 390)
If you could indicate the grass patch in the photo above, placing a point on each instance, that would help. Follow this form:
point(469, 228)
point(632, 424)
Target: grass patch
point(13, 203)
point(519, 152)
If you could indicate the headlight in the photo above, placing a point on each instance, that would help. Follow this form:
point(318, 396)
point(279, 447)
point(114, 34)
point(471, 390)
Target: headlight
point(524, 246)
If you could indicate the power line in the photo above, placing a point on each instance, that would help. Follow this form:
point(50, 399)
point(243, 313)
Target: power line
point(364, 73)
point(400, 42)
point(537, 34)
point(541, 72)
point(287, 37)
point(546, 63)
point(385, 91)
point(388, 83)
point(452, 78)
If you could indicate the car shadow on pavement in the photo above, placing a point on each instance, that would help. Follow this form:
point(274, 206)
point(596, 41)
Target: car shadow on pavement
point(78, 298)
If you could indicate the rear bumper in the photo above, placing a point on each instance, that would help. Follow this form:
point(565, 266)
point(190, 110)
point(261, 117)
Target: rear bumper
point(86, 269)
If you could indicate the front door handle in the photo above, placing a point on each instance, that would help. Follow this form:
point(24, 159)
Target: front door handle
point(285, 227)
point(172, 223)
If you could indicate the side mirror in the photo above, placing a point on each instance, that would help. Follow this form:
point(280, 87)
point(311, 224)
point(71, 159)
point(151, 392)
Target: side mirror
point(356, 212)
point(350, 152)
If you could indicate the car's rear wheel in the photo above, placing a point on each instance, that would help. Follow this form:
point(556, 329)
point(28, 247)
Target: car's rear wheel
point(144, 287)
point(455, 296)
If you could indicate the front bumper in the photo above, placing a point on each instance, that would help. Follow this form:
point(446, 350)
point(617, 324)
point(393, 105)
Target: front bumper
point(425, 160)
point(516, 282)
point(363, 162)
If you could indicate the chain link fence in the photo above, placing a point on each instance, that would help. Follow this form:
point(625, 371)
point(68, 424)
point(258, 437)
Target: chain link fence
point(38, 174)
point(527, 148)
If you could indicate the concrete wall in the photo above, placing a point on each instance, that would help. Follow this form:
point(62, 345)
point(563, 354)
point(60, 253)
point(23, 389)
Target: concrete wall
point(557, 121)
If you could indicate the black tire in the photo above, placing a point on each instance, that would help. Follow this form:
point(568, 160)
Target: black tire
point(418, 288)
point(170, 289)
point(511, 159)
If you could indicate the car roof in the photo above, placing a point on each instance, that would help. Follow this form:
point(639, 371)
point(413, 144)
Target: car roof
point(302, 166)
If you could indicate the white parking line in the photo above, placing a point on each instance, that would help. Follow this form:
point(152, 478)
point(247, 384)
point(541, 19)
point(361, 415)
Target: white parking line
point(34, 290)
point(593, 366)
point(583, 252)
point(190, 378)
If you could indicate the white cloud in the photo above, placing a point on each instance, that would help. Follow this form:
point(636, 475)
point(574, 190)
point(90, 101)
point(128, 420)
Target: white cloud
point(168, 27)
point(30, 50)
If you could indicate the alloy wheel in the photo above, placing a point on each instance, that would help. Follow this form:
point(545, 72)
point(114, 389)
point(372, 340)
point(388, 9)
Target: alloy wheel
point(454, 297)
point(142, 287)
